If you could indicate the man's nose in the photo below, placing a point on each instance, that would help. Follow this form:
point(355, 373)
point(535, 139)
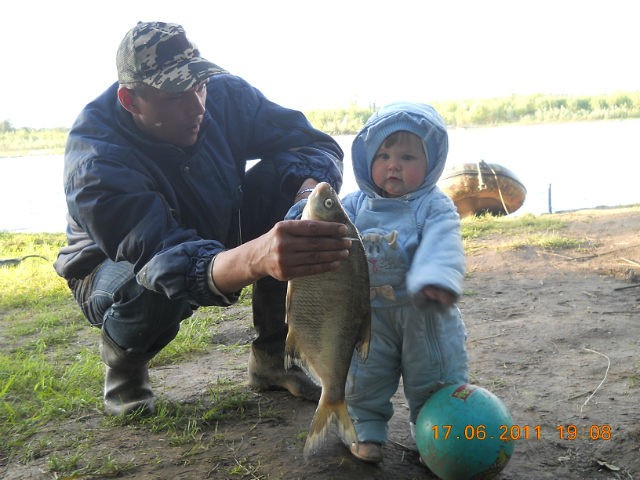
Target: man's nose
point(196, 103)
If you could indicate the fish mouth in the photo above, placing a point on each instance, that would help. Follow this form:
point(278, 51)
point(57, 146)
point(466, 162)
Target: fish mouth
point(320, 189)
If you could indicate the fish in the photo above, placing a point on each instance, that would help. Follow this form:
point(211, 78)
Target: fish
point(328, 317)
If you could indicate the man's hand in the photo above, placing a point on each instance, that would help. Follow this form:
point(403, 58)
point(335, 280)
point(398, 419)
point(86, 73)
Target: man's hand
point(304, 247)
point(292, 248)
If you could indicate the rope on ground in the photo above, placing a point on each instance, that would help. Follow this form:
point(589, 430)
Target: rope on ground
point(630, 262)
point(603, 380)
point(609, 252)
point(635, 285)
point(12, 262)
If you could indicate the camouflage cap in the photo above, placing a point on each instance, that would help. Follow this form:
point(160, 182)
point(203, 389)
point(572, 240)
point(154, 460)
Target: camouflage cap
point(160, 55)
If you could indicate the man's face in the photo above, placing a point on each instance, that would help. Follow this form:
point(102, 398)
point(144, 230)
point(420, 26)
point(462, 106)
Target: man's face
point(171, 117)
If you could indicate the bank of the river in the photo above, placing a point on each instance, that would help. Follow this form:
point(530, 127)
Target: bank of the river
point(514, 110)
point(583, 164)
point(553, 331)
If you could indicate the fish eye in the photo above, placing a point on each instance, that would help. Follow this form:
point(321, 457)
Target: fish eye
point(328, 202)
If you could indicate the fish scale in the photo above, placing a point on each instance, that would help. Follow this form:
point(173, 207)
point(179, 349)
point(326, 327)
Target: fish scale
point(328, 317)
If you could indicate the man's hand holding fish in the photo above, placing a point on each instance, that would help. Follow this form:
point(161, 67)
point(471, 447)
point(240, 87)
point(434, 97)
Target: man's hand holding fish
point(292, 248)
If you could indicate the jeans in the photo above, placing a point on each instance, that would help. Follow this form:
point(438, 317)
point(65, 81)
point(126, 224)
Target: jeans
point(145, 321)
point(135, 318)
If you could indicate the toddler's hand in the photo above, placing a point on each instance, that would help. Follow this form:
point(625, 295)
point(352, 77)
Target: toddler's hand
point(439, 295)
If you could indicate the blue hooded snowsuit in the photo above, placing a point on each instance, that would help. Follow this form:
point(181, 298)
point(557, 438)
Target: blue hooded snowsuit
point(411, 242)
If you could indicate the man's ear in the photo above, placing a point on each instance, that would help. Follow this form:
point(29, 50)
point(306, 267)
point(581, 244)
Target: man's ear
point(127, 100)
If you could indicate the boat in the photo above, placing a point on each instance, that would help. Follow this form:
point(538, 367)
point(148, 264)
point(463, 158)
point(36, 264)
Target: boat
point(481, 187)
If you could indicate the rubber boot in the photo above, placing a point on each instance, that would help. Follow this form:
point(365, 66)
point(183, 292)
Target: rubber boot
point(126, 382)
point(267, 372)
point(266, 360)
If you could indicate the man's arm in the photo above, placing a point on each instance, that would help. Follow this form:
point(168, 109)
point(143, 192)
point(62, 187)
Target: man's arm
point(303, 190)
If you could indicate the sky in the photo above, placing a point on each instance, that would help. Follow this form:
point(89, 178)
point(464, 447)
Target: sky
point(59, 55)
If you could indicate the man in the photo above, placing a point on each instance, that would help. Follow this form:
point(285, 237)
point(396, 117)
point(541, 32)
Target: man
point(164, 218)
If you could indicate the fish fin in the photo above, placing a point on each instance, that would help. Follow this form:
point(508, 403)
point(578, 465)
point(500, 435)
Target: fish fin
point(322, 420)
point(346, 430)
point(287, 303)
point(290, 351)
point(292, 358)
point(364, 339)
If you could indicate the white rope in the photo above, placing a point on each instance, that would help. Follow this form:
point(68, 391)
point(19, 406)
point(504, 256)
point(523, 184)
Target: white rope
point(603, 380)
point(481, 184)
point(495, 175)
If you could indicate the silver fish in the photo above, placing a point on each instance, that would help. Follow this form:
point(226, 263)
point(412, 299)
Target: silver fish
point(328, 316)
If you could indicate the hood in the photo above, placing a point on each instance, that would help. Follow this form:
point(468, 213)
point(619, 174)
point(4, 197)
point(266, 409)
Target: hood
point(420, 119)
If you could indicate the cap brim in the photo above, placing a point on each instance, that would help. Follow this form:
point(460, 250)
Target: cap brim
point(184, 75)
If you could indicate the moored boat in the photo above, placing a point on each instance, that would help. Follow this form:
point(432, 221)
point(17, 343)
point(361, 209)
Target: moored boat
point(482, 187)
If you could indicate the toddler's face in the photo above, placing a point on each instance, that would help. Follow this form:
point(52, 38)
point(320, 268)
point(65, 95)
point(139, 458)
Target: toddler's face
point(401, 167)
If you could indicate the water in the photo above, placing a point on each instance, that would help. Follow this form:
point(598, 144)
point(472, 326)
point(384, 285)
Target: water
point(587, 164)
point(31, 194)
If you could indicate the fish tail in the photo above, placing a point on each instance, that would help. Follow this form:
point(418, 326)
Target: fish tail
point(346, 430)
point(322, 419)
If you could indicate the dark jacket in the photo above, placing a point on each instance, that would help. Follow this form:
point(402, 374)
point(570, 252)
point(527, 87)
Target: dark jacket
point(169, 210)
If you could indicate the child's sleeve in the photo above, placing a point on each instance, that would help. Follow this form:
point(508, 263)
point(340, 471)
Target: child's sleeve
point(439, 259)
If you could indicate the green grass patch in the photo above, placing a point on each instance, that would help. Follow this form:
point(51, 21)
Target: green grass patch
point(32, 283)
point(634, 378)
point(479, 226)
point(508, 233)
point(547, 241)
point(51, 373)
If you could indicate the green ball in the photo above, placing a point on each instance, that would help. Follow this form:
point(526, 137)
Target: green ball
point(464, 432)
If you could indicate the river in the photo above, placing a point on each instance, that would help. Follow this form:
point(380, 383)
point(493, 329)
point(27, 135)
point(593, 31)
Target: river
point(585, 164)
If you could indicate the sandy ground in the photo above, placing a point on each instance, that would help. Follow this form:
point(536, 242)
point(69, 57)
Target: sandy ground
point(554, 334)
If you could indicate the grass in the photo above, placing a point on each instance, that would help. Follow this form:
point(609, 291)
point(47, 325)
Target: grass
point(634, 378)
point(51, 374)
point(507, 233)
point(478, 226)
point(50, 371)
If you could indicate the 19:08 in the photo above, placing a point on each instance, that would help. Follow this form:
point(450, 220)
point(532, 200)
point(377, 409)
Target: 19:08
point(479, 432)
point(594, 432)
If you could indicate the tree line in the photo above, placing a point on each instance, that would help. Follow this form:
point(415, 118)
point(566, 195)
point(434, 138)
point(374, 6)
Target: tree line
point(522, 109)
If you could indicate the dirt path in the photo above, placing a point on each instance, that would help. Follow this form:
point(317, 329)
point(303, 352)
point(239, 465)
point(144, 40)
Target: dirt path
point(556, 335)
